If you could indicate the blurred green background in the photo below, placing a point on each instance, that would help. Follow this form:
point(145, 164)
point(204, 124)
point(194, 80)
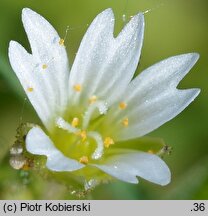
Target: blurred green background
point(172, 27)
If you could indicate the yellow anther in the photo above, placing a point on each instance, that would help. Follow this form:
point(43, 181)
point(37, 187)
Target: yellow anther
point(77, 87)
point(125, 122)
point(30, 89)
point(75, 122)
point(92, 99)
point(82, 134)
point(108, 141)
point(122, 105)
point(44, 66)
point(84, 160)
point(61, 42)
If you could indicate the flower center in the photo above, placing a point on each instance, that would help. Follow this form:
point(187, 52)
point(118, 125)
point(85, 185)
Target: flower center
point(80, 136)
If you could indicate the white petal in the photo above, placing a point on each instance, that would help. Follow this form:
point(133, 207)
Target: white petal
point(102, 60)
point(127, 166)
point(38, 143)
point(23, 65)
point(51, 82)
point(152, 98)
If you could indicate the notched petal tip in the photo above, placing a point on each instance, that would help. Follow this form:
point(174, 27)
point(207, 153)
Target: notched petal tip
point(189, 95)
point(189, 58)
point(24, 10)
point(139, 17)
point(107, 11)
point(195, 92)
point(12, 44)
point(105, 16)
point(192, 57)
point(138, 22)
point(31, 18)
point(14, 51)
point(197, 55)
point(27, 12)
point(135, 24)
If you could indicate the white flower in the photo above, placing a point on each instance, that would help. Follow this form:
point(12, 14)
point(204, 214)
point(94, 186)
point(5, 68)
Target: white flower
point(95, 104)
